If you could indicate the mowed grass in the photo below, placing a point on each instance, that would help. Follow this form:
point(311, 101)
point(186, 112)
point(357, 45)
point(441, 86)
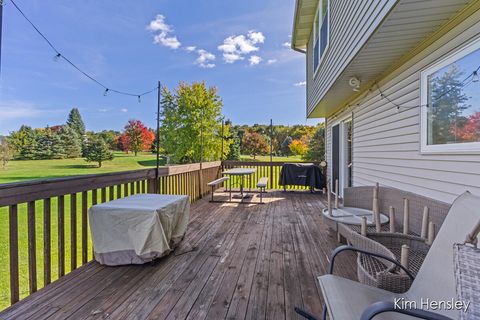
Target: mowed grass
point(20, 170)
point(41, 169)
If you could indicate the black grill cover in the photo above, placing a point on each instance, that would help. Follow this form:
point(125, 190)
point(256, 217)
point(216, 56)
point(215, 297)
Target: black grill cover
point(302, 174)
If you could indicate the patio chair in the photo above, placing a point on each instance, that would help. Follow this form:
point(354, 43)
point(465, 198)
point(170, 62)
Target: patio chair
point(346, 299)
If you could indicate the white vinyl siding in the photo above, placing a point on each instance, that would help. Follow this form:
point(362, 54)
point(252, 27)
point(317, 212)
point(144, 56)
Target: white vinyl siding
point(350, 24)
point(386, 143)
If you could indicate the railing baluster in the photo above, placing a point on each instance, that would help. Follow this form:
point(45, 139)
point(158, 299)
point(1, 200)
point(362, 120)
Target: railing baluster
point(47, 274)
point(73, 231)
point(104, 195)
point(111, 193)
point(119, 191)
point(32, 247)
point(84, 227)
point(61, 236)
point(13, 226)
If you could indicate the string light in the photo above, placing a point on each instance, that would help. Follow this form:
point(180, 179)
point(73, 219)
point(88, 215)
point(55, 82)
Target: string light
point(139, 99)
point(59, 56)
point(475, 77)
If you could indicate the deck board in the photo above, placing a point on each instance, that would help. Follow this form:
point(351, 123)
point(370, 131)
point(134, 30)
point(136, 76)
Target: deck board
point(236, 261)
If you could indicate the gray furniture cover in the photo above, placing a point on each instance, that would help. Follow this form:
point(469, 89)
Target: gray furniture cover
point(301, 174)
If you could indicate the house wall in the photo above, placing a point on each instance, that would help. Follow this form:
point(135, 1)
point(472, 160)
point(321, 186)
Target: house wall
point(352, 22)
point(386, 143)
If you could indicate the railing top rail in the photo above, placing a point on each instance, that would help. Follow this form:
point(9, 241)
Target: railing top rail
point(262, 163)
point(20, 192)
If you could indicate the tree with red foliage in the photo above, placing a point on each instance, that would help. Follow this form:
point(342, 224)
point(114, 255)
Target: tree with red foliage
point(467, 129)
point(136, 137)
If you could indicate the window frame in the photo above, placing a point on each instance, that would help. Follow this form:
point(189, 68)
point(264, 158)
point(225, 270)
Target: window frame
point(319, 15)
point(453, 148)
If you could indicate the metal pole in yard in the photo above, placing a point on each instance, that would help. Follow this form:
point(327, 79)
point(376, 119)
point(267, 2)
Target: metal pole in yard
point(271, 153)
point(1, 23)
point(159, 96)
point(223, 138)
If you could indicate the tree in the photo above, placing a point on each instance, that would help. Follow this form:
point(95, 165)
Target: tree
point(97, 150)
point(446, 106)
point(285, 146)
point(234, 149)
point(191, 126)
point(110, 137)
point(137, 137)
point(48, 145)
point(23, 143)
point(75, 122)
point(298, 147)
point(6, 153)
point(70, 142)
point(316, 145)
point(467, 130)
point(254, 144)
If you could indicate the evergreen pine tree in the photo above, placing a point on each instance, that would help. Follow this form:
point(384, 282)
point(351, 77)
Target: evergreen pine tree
point(75, 122)
point(285, 147)
point(234, 152)
point(70, 141)
point(43, 148)
point(97, 151)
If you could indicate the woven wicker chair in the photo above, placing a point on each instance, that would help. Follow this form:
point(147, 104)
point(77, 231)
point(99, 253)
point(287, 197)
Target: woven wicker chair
point(362, 197)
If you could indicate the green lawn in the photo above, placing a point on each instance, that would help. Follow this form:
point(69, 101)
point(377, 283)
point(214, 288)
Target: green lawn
point(19, 170)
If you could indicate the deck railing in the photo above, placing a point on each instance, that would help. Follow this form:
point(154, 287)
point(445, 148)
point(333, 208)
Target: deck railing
point(263, 169)
point(31, 206)
point(48, 219)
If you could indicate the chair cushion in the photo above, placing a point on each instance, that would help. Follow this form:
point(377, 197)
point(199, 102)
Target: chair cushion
point(347, 299)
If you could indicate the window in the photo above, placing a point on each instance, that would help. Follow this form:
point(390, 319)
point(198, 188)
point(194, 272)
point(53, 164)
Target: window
point(321, 30)
point(451, 94)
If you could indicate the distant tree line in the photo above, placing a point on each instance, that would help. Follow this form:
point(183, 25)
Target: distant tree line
point(299, 140)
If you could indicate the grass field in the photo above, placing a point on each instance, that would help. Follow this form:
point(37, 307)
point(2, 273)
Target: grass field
point(41, 169)
point(20, 170)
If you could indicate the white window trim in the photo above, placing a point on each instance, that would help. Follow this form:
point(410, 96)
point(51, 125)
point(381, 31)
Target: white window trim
point(348, 117)
point(466, 147)
point(320, 58)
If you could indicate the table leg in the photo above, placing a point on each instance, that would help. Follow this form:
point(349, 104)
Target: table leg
point(241, 185)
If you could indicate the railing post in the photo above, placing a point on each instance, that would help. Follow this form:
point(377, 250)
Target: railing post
point(152, 185)
point(200, 181)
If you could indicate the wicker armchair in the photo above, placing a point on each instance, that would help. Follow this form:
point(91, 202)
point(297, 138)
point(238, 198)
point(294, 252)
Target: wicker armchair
point(362, 197)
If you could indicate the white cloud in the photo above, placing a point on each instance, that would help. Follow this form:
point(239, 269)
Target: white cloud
point(254, 60)
point(205, 59)
point(124, 110)
point(190, 48)
point(271, 61)
point(300, 84)
point(163, 30)
point(287, 44)
point(235, 48)
point(102, 110)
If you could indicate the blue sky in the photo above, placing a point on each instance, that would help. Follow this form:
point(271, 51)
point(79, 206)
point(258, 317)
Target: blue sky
point(239, 46)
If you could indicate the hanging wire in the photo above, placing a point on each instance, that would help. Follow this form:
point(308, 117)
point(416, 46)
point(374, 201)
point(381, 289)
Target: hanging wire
point(59, 55)
point(471, 78)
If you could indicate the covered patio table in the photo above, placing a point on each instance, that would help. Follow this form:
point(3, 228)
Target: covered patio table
point(242, 173)
point(139, 228)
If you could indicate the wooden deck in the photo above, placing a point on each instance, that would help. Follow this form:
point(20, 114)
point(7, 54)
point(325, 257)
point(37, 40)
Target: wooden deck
point(237, 261)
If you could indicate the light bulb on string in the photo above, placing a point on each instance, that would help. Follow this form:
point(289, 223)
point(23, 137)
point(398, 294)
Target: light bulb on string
point(139, 99)
point(475, 77)
point(106, 92)
point(57, 57)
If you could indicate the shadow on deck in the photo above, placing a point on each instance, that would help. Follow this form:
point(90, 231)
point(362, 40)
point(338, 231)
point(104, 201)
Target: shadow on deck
point(237, 261)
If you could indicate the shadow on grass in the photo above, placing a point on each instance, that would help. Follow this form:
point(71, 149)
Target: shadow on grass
point(78, 166)
point(151, 163)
